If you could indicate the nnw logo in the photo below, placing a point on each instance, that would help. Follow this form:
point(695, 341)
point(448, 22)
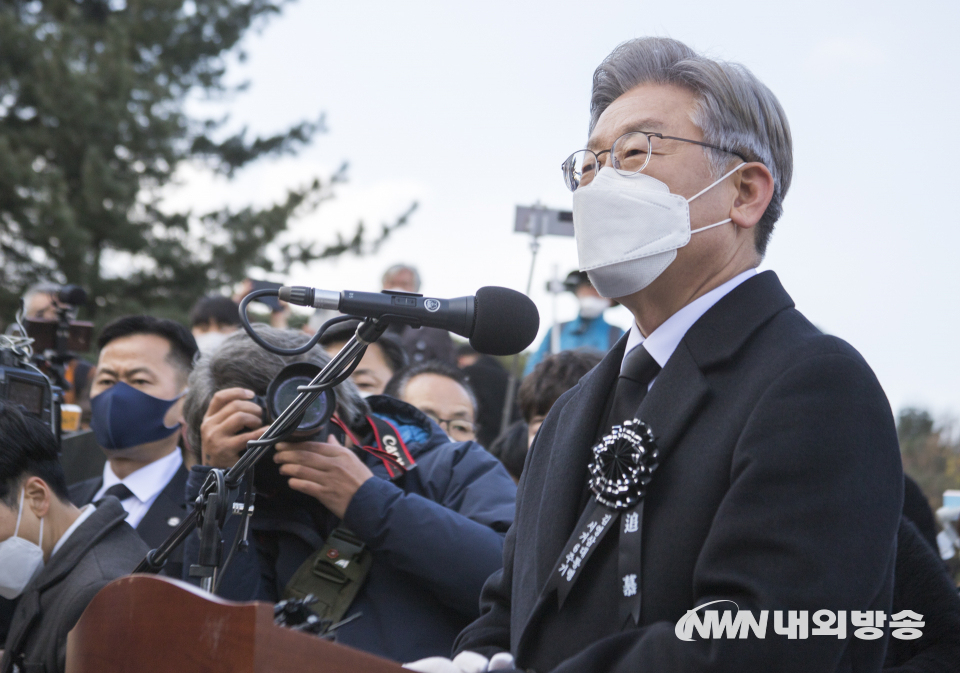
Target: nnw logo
point(717, 624)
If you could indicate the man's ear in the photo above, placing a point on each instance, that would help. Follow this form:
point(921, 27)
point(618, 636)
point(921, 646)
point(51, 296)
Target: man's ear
point(754, 191)
point(174, 414)
point(36, 496)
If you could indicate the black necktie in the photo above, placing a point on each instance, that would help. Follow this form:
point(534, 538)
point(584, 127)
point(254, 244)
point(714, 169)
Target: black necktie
point(636, 372)
point(119, 491)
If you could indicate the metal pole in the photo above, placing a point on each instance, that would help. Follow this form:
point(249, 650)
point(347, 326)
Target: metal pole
point(536, 226)
point(555, 328)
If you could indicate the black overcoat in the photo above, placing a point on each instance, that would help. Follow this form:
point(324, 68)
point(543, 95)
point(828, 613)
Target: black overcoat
point(780, 488)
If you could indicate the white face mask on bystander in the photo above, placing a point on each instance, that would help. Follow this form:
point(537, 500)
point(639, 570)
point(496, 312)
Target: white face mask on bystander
point(628, 229)
point(209, 342)
point(20, 560)
point(593, 307)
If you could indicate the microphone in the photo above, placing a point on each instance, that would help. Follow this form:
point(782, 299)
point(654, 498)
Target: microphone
point(497, 321)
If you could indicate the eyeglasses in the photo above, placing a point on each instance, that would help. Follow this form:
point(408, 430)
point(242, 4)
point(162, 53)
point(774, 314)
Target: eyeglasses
point(631, 154)
point(455, 427)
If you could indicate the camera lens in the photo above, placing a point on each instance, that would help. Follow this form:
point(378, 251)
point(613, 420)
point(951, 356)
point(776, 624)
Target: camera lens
point(282, 391)
point(286, 392)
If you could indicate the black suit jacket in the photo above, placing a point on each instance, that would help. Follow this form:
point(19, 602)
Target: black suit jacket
point(779, 488)
point(164, 514)
point(99, 551)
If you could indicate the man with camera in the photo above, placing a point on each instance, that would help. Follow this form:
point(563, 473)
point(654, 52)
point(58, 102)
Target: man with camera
point(380, 486)
point(52, 304)
point(54, 557)
point(136, 404)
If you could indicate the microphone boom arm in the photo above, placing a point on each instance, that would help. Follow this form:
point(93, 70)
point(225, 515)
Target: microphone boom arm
point(368, 332)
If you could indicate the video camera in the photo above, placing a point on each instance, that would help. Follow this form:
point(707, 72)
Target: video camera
point(60, 338)
point(32, 362)
point(23, 384)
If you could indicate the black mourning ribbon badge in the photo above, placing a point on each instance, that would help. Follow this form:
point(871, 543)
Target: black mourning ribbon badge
point(623, 464)
point(622, 467)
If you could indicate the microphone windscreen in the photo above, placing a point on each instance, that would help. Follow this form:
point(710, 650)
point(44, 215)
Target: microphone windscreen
point(505, 321)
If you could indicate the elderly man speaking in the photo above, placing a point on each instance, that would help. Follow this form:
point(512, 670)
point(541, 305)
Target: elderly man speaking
point(726, 460)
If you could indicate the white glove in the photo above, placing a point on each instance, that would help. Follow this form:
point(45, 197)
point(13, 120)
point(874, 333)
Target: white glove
point(465, 662)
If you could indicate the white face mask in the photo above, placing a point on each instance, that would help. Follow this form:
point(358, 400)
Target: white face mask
point(20, 560)
point(593, 307)
point(628, 229)
point(210, 341)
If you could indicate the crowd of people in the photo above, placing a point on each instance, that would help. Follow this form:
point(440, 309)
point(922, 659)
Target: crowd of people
point(167, 403)
point(433, 523)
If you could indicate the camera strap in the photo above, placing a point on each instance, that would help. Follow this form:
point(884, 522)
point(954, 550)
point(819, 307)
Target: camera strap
point(389, 446)
point(334, 573)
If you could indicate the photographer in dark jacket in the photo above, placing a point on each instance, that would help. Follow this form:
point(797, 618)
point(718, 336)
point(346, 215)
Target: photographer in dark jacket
point(435, 535)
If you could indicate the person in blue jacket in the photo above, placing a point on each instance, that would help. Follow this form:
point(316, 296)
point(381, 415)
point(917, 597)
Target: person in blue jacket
point(436, 533)
point(588, 330)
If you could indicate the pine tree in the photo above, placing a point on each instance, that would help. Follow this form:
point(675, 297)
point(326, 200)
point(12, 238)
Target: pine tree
point(93, 125)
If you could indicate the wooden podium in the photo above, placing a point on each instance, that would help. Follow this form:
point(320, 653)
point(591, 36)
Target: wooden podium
point(151, 624)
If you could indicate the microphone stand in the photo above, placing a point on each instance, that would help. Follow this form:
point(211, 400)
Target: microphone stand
point(218, 492)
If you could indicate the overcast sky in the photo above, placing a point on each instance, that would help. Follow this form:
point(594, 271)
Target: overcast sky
point(469, 108)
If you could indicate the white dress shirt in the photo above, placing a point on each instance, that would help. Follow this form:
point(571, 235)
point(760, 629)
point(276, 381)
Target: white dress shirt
point(664, 340)
point(85, 513)
point(145, 484)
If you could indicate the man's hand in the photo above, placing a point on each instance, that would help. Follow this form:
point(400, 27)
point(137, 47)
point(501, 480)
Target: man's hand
point(231, 410)
point(327, 471)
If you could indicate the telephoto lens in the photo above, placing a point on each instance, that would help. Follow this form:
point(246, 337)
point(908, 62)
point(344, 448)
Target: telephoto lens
point(314, 425)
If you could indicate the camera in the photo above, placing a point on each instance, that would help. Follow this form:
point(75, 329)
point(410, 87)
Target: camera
point(33, 361)
point(24, 385)
point(283, 390)
point(314, 425)
point(59, 339)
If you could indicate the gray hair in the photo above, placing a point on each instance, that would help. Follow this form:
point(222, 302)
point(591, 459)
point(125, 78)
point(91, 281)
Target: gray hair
point(734, 109)
point(45, 287)
point(241, 363)
point(397, 268)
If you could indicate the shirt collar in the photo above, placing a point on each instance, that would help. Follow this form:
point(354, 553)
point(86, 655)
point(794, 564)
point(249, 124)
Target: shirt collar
point(149, 480)
point(85, 513)
point(664, 340)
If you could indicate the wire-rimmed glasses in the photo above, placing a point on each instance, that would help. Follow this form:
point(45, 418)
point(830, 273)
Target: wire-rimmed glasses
point(459, 429)
point(630, 153)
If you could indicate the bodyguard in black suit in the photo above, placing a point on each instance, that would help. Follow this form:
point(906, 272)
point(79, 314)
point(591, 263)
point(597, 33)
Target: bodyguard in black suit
point(725, 450)
point(141, 375)
point(161, 518)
